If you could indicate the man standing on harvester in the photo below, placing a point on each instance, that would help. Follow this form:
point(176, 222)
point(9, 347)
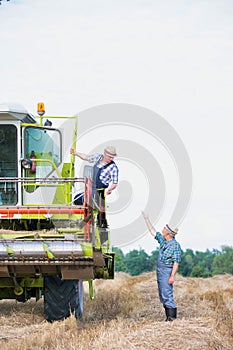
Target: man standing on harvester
point(105, 178)
point(167, 265)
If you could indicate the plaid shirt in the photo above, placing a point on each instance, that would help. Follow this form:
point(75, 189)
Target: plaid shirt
point(109, 173)
point(170, 250)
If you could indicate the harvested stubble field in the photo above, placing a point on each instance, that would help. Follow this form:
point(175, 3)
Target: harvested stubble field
point(126, 314)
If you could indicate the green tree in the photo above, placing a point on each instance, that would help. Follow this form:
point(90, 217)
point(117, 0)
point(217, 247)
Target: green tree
point(199, 271)
point(153, 259)
point(137, 262)
point(204, 260)
point(198, 264)
point(223, 262)
point(119, 260)
point(187, 262)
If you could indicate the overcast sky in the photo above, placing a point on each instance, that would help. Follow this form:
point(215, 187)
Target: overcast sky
point(173, 57)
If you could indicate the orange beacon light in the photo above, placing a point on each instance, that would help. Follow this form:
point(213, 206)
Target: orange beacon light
point(40, 108)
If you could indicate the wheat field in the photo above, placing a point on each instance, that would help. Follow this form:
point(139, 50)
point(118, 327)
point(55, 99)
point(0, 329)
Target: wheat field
point(126, 314)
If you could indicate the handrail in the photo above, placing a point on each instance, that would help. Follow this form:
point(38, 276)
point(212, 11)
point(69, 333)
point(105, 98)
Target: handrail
point(40, 179)
point(6, 210)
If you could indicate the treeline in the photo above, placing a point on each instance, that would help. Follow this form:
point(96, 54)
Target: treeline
point(193, 264)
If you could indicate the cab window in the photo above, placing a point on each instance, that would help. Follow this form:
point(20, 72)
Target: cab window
point(45, 145)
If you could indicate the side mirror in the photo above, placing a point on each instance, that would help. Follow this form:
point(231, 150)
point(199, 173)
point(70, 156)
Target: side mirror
point(26, 163)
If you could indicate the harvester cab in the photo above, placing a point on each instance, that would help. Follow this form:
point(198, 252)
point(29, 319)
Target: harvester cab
point(48, 244)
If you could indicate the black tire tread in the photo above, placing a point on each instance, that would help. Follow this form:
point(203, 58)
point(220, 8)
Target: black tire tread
point(62, 297)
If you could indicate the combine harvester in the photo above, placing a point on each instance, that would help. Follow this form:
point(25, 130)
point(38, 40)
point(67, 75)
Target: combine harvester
point(48, 245)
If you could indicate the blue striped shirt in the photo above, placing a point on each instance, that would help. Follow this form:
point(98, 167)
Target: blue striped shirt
point(170, 250)
point(109, 173)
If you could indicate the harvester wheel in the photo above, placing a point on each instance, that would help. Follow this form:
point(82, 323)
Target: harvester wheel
point(62, 297)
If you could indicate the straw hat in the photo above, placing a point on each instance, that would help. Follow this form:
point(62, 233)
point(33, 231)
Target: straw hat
point(111, 151)
point(172, 231)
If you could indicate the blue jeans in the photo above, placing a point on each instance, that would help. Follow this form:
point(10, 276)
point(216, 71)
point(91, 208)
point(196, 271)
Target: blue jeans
point(165, 289)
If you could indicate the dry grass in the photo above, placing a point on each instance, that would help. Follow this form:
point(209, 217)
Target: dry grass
point(126, 313)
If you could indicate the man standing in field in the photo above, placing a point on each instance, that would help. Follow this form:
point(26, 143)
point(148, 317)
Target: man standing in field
point(167, 265)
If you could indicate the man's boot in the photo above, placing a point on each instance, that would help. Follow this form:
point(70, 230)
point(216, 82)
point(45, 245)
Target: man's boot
point(171, 313)
point(166, 312)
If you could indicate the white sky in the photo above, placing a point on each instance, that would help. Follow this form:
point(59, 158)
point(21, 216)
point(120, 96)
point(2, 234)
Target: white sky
point(174, 57)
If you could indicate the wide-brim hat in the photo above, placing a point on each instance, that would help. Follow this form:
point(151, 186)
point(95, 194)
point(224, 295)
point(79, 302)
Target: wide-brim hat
point(110, 150)
point(172, 231)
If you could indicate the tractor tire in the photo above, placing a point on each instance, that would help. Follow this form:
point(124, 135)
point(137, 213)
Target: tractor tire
point(62, 297)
